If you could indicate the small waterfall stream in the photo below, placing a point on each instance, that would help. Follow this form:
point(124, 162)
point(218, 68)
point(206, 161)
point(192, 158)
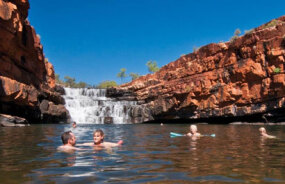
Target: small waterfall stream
point(91, 106)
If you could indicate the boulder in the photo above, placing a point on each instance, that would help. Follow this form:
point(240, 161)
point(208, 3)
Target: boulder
point(12, 121)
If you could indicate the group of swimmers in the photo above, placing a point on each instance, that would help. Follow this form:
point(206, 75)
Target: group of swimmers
point(194, 132)
point(69, 139)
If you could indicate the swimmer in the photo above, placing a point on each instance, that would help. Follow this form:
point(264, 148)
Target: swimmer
point(193, 131)
point(263, 133)
point(74, 124)
point(98, 140)
point(69, 141)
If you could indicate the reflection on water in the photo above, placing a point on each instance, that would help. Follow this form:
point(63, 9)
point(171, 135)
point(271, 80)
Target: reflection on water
point(236, 154)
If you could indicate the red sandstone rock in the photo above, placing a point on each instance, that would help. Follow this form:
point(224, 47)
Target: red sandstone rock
point(26, 78)
point(236, 78)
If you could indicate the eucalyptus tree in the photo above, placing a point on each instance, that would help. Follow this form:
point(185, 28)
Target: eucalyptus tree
point(134, 75)
point(107, 84)
point(122, 74)
point(152, 66)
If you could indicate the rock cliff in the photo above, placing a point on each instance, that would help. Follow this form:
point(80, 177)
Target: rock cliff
point(240, 78)
point(27, 80)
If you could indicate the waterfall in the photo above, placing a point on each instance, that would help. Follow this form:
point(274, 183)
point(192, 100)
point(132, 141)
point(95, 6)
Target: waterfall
point(91, 106)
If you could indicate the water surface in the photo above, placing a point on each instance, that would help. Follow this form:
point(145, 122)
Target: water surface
point(237, 154)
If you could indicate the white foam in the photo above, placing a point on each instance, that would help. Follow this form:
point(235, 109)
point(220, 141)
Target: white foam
point(91, 106)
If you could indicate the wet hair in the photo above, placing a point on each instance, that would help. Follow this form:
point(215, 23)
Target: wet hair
point(66, 136)
point(194, 128)
point(262, 129)
point(100, 131)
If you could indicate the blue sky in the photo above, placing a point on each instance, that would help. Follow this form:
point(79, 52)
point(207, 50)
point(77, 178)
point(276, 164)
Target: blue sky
point(92, 40)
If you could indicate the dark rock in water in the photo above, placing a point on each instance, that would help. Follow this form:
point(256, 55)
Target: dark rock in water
point(53, 113)
point(44, 106)
point(108, 120)
point(59, 89)
point(12, 121)
point(120, 94)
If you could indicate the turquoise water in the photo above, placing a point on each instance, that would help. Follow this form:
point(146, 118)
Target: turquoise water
point(237, 154)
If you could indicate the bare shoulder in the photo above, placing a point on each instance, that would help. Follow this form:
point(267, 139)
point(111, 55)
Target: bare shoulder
point(60, 148)
point(67, 148)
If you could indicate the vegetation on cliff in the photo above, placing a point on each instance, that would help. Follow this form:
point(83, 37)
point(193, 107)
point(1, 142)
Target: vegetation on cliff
point(152, 66)
point(70, 82)
point(107, 84)
point(122, 74)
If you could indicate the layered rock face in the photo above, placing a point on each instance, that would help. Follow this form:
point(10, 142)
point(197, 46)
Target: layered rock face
point(27, 80)
point(243, 77)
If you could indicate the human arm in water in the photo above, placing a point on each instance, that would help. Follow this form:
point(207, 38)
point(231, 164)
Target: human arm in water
point(107, 144)
point(189, 134)
point(86, 144)
point(269, 136)
point(111, 144)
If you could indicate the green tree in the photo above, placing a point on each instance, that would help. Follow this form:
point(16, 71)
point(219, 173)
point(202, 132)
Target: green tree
point(81, 85)
point(236, 35)
point(152, 66)
point(57, 79)
point(195, 49)
point(69, 81)
point(107, 84)
point(246, 32)
point(272, 23)
point(122, 74)
point(134, 75)
point(277, 70)
point(237, 32)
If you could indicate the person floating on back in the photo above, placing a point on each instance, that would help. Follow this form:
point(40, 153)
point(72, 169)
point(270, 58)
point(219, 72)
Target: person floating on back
point(263, 133)
point(69, 141)
point(193, 131)
point(98, 140)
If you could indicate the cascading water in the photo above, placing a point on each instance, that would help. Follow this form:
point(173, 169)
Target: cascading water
point(91, 106)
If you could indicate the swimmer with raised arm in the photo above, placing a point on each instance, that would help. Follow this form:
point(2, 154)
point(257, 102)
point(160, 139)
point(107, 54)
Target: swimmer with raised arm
point(193, 131)
point(98, 140)
point(263, 133)
point(69, 141)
